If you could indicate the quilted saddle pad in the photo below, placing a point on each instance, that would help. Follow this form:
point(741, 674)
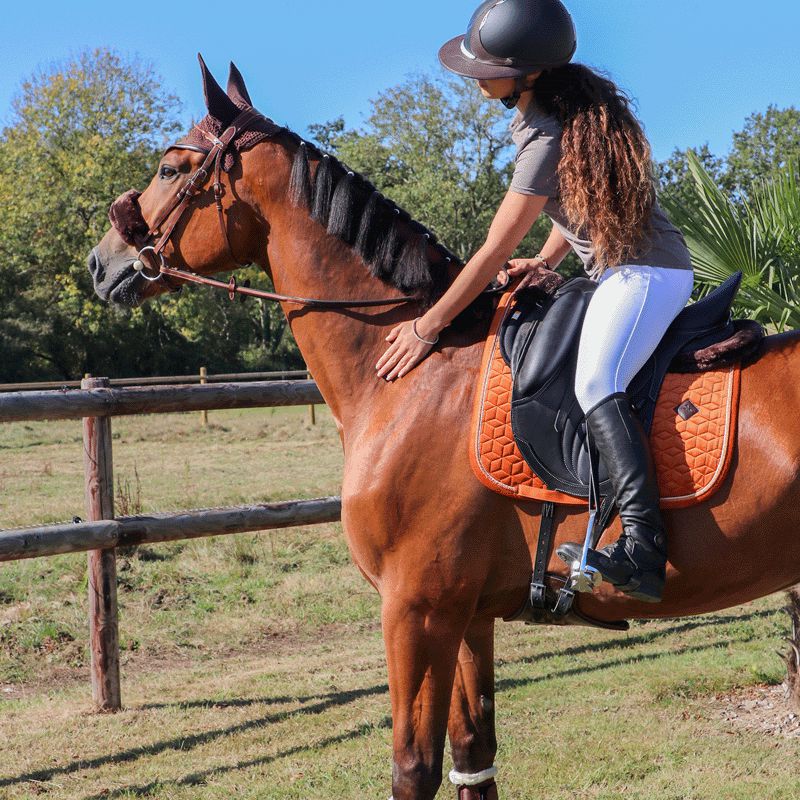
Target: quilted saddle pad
point(691, 437)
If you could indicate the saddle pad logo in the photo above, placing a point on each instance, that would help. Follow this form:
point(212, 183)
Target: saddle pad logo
point(686, 410)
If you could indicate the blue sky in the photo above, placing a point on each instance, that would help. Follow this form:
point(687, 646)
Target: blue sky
point(697, 68)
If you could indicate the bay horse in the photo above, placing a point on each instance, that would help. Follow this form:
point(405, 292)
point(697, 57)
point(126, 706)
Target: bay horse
point(446, 555)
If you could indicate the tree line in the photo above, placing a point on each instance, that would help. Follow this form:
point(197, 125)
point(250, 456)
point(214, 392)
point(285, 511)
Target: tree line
point(82, 132)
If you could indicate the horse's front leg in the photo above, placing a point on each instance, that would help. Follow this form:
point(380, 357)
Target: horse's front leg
point(471, 724)
point(422, 645)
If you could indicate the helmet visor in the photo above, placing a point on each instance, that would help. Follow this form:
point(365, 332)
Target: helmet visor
point(456, 56)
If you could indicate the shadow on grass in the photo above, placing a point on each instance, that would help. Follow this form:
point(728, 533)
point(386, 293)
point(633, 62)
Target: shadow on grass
point(188, 742)
point(646, 637)
point(200, 778)
point(634, 658)
point(592, 647)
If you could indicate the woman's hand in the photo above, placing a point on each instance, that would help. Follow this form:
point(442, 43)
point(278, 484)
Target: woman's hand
point(405, 351)
point(529, 268)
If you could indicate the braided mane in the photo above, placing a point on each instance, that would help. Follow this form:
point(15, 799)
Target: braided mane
point(396, 248)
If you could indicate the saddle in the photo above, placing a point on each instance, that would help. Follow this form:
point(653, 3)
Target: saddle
point(528, 435)
point(538, 340)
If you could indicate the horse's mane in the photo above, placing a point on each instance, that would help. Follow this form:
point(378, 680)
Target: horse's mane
point(396, 249)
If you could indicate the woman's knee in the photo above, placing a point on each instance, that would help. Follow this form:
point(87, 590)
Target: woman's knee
point(591, 388)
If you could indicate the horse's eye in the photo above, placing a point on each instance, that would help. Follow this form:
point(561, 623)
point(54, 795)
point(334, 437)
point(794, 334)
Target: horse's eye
point(167, 172)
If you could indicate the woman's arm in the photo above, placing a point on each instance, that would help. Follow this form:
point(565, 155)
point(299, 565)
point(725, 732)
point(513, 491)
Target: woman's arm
point(556, 247)
point(513, 220)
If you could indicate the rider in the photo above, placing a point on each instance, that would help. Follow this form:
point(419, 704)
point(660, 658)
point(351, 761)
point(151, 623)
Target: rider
point(583, 159)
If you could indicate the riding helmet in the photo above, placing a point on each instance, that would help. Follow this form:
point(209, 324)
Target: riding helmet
point(512, 38)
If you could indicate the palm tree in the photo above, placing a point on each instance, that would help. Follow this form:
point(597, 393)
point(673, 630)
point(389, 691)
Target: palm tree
point(758, 234)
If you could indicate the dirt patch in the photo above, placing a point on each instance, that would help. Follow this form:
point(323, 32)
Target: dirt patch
point(156, 659)
point(761, 709)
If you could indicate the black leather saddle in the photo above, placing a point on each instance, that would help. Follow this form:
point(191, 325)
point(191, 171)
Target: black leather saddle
point(539, 341)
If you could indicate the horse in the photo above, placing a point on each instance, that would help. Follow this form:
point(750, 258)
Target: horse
point(447, 556)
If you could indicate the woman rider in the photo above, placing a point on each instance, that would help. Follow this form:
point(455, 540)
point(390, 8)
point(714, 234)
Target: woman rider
point(583, 160)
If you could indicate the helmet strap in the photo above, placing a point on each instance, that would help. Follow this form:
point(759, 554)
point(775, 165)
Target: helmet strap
point(520, 86)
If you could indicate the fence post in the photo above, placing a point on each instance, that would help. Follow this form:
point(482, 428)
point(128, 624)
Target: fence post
point(312, 414)
point(204, 412)
point(102, 566)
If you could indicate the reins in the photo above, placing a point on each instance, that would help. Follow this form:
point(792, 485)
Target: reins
point(233, 288)
point(172, 214)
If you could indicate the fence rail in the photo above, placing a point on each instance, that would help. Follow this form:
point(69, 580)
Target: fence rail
point(51, 540)
point(159, 380)
point(113, 402)
point(96, 402)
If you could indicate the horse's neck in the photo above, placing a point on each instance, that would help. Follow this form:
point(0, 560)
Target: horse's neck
point(340, 346)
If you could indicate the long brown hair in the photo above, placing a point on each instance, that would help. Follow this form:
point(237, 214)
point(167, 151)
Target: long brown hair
point(605, 172)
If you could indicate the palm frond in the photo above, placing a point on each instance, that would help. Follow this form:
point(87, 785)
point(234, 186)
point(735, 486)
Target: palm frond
point(760, 238)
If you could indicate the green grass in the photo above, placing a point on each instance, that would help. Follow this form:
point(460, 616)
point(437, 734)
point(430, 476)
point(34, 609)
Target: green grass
point(252, 665)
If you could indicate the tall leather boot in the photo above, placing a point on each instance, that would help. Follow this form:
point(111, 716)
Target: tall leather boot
point(636, 562)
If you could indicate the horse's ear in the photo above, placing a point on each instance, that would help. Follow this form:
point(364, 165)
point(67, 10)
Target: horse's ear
point(219, 105)
point(237, 91)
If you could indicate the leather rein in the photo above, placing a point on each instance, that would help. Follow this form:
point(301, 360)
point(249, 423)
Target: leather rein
point(152, 257)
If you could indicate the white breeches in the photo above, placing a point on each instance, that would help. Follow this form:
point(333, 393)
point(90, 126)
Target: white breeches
point(628, 314)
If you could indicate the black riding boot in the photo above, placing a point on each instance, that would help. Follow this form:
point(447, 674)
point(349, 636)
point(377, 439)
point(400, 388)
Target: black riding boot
point(636, 562)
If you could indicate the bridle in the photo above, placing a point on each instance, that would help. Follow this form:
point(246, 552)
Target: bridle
point(172, 214)
point(166, 222)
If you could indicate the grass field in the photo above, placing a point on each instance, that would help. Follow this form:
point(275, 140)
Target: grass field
point(252, 665)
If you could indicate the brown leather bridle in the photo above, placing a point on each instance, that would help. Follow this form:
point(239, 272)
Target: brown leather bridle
point(166, 222)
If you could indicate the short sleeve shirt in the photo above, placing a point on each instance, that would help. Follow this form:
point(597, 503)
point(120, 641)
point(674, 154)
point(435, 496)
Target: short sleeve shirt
point(537, 136)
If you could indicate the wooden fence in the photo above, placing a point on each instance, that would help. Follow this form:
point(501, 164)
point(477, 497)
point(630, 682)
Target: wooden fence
point(95, 403)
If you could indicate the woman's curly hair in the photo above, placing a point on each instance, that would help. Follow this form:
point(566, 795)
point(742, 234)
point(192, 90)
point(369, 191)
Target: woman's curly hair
point(605, 173)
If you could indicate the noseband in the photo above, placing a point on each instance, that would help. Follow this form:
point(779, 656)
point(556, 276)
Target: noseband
point(126, 218)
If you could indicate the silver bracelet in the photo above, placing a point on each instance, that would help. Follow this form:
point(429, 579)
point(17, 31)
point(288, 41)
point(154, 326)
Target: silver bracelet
point(414, 329)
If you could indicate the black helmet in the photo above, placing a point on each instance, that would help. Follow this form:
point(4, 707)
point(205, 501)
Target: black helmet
point(512, 38)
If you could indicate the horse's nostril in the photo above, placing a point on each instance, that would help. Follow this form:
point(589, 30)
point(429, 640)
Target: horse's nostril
point(95, 267)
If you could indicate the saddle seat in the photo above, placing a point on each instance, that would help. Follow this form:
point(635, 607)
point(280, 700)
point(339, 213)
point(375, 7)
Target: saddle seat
point(528, 429)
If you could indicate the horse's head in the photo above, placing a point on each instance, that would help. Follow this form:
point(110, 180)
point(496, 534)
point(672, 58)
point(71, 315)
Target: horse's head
point(174, 220)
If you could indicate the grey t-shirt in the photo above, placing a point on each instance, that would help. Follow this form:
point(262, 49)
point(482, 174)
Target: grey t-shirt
point(537, 136)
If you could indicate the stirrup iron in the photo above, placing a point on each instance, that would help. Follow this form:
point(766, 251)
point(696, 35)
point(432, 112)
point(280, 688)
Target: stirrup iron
point(583, 577)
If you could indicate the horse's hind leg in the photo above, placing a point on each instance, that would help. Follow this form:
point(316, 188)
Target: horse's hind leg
point(421, 651)
point(471, 723)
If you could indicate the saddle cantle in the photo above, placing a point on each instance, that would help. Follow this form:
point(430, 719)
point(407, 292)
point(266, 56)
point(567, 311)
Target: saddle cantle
point(528, 438)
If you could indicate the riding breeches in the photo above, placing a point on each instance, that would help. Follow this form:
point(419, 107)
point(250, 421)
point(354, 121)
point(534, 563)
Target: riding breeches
point(628, 314)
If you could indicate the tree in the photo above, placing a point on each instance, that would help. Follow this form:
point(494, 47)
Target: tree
point(765, 146)
point(81, 133)
point(763, 149)
point(674, 178)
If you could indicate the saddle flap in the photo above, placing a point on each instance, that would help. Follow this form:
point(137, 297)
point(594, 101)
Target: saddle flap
point(539, 341)
point(545, 355)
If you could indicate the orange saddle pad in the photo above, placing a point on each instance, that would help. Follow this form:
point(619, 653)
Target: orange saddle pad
point(692, 456)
